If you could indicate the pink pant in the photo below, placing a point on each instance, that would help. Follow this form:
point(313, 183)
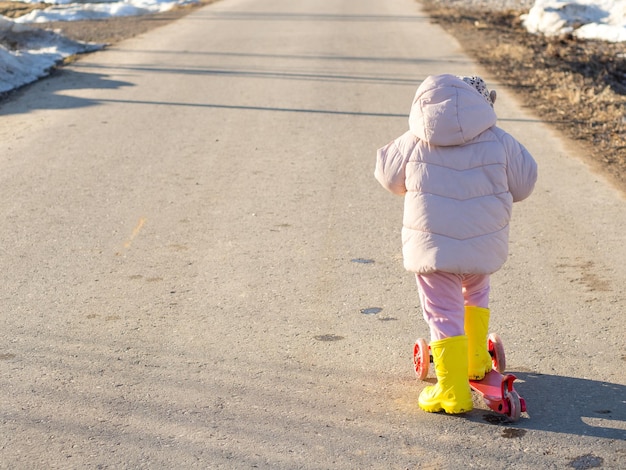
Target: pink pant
point(444, 296)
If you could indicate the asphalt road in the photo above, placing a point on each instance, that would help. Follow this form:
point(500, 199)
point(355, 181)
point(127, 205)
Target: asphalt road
point(199, 270)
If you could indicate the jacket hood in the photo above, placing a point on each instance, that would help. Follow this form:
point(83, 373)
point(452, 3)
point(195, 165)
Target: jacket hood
point(447, 111)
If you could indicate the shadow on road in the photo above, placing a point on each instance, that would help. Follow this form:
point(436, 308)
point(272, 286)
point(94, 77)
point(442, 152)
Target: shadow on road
point(49, 90)
point(290, 16)
point(259, 108)
point(269, 74)
point(46, 93)
point(571, 406)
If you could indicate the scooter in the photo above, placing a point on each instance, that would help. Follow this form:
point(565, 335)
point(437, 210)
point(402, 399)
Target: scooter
point(496, 387)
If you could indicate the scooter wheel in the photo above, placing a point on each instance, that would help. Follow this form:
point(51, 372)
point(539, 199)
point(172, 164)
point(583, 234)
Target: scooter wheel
point(515, 405)
point(496, 350)
point(421, 358)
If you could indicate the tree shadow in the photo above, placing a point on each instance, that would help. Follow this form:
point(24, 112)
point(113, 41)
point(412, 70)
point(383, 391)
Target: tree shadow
point(45, 93)
point(295, 16)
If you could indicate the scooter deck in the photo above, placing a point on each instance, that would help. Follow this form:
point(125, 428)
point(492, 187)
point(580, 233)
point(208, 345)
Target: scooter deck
point(498, 393)
point(491, 385)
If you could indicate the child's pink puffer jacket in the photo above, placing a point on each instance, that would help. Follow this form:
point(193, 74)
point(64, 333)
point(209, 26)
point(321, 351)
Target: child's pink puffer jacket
point(460, 175)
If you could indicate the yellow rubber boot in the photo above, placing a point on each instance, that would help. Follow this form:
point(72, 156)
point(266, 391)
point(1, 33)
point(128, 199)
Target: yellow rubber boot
point(476, 329)
point(452, 392)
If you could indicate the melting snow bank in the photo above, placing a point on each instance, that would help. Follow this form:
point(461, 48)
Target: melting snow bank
point(70, 10)
point(586, 19)
point(33, 53)
point(27, 53)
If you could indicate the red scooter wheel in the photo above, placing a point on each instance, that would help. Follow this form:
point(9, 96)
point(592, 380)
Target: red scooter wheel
point(515, 405)
point(421, 358)
point(496, 350)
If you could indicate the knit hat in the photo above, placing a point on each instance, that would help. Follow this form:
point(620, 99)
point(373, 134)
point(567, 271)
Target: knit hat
point(480, 86)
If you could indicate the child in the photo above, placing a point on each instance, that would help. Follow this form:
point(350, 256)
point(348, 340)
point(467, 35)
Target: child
point(459, 175)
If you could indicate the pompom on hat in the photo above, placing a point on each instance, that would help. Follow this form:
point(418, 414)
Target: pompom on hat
point(481, 87)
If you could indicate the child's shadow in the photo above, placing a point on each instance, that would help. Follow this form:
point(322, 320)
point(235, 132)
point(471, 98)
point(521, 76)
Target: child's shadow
point(572, 406)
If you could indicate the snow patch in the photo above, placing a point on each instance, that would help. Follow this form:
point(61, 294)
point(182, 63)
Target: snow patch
point(586, 19)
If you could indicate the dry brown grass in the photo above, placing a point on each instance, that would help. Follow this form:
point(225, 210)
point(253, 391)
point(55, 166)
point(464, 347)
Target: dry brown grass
point(17, 9)
point(507, 51)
